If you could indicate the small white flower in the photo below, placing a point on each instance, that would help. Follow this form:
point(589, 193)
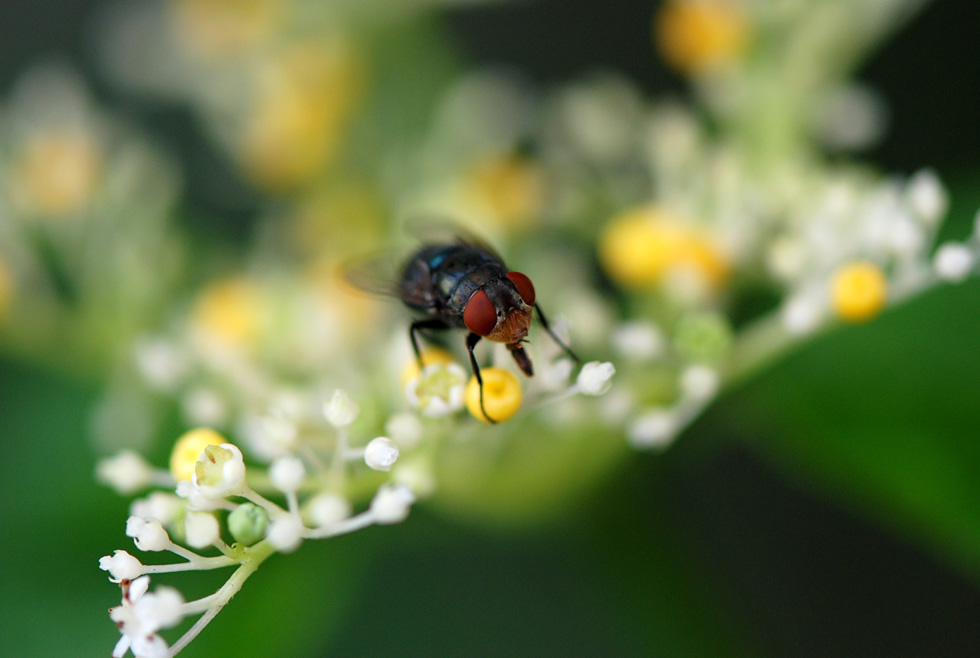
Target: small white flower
point(159, 505)
point(405, 429)
point(595, 378)
point(286, 534)
point(287, 473)
point(326, 509)
point(653, 429)
point(340, 411)
point(126, 472)
point(392, 503)
point(195, 499)
point(638, 340)
point(148, 534)
point(158, 609)
point(121, 566)
point(201, 529)
point(438, 390)
point(220, 471)
point(141, 615)
point(953, 262)
point(926, 195)
point(699, 382)
point(381, 454)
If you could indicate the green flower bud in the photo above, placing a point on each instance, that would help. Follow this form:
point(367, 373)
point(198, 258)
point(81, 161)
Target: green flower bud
point(703, 337)
point(248, 523)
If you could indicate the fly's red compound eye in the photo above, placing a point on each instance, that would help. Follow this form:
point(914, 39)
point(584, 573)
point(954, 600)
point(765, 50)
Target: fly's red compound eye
point(480, 316)
point(524, 287)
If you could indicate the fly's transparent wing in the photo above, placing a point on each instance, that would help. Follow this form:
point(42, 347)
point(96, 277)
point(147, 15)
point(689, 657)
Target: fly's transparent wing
point(440, 229)
point(383, 274)
point(377, 274)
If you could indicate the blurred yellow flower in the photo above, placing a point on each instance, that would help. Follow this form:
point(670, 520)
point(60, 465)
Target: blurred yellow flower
point(507, 188)
point(230, 313)
point(57, 172)
point(430, 355)
point(645, 246)
point(502, 395)
point(216, 28)
point(296, 122)
point(701, 36)
point(188, 449)
point(6, 289)
point(858, 291)
point(342, 219)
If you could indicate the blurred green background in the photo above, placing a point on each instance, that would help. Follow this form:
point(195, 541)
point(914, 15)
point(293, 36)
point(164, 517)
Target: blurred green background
point(831, 507)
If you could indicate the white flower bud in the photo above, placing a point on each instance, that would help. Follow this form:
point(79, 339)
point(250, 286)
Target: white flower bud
point(802, 314)
point(148, 534)
point(121, 566)
point(953, 262)
point(391, 504)
point(595, 378)
point(326, 509)
point(159, 505)
point(287, 473)
point(405, 429)
point(699, 382)
point(203, 407)
point(220, 471)
point(279, 431)
point(926, 195)
point(416, 476)
point(638, 340)
point(340, 411)
point(201, 529)
point(653, 429)
point(161, 608)
point(381, 454)
point(286, 534)
point(126, 472)
point(160, 363)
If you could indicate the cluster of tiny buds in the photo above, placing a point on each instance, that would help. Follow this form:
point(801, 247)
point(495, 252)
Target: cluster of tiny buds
point(212, 498)
point(210, 482)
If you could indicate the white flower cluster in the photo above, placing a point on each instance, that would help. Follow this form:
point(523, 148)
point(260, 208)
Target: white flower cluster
point(217, 502)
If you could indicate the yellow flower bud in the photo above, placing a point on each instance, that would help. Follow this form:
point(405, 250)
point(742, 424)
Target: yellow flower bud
point(230, 312)
point(644, 246)
point(700, 36)
point(430, 355)
point(502, 395)
point(509, 189)
point(216, 28)
point(58, 172)
point(858, 291)
point(188, 449)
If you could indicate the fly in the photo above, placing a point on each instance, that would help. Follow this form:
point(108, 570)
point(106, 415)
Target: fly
point(465, 285)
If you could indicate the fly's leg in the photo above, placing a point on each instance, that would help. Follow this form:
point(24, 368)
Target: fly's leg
point(412, 334)
point(471, 342)
point(544, 323)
